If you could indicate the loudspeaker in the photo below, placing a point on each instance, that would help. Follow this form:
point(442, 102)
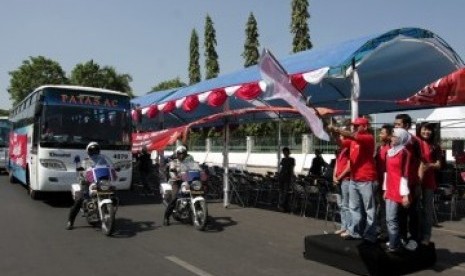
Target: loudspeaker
point(457, 147)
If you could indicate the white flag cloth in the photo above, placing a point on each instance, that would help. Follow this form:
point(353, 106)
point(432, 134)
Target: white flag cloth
point(278, 85)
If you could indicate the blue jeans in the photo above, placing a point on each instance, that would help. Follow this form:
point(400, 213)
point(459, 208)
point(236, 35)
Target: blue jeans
point(392, 221)
point(427, 215)
point(344, 205)
point(362, 207)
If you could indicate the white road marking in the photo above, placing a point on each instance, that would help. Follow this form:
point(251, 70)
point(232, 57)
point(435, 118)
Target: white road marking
point(187, 266)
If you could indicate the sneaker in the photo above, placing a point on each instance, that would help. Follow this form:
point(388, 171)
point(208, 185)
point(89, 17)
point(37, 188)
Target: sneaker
point(411, 245)
point(347, 236)
point(339, 232)
point(69, 225)
point(392, 250)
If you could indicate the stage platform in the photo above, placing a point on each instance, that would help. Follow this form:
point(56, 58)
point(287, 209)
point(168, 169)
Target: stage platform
point(364, 258)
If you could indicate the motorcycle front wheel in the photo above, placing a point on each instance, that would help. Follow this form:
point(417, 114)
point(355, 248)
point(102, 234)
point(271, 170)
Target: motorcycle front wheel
point(201, 214)
point(108, 219)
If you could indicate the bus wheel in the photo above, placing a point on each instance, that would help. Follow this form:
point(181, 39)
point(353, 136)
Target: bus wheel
point(35, 195)
point(32, 193)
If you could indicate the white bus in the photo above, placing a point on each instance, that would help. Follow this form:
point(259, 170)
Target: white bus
point(5, 127)
point(51, 128)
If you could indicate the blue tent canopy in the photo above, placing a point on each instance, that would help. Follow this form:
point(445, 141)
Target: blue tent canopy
point(391, 66)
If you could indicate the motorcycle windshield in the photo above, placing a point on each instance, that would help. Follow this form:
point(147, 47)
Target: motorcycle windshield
point(190, 171)
point(98, 173)
point(192, 175)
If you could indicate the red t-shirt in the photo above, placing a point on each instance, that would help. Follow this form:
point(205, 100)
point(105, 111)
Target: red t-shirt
point(362, 162)
point(429, 154)
point(342, 160)
point(380, 158)
point(397, 166)
point(413, 146)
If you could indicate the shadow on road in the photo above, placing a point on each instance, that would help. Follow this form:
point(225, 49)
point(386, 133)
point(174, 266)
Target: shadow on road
point(217, 224)
point(127, 228)
point(128, 198)
point(447, 259)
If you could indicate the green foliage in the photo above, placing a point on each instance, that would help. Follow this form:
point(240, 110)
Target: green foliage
point(194, 63)
point(251, 54)
point(211, 57)
point(165, 85)
point(4, 112)
point(92, 74)
point(299, 26)
point(33, 73)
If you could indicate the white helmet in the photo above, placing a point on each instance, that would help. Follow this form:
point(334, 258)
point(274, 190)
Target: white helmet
point(181, 149)
point(93, 148)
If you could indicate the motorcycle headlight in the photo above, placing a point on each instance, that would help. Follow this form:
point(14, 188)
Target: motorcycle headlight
point(196, 185)
point(185, 188)
point(104, 185)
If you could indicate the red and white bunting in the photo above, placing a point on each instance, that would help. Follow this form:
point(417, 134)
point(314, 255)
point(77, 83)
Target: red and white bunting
point(217, 97)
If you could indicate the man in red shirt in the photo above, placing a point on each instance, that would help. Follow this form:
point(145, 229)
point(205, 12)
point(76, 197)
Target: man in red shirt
point(409, 220)
point(380, 158)
point(363, 181)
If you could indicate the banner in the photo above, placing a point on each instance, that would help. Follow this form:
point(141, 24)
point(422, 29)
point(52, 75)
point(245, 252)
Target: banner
point(18, 149)
point(448, 90)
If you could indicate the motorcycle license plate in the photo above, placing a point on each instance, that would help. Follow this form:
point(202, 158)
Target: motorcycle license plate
point(197, 192)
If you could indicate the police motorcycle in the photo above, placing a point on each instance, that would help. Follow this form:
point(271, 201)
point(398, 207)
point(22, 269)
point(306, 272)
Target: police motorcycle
point(100, 202)
point(191, 206)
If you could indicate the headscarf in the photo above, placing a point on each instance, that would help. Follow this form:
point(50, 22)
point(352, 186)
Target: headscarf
point(402, 139)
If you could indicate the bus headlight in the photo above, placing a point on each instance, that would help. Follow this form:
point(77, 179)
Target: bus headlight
point(53, 164)
point(123, 165)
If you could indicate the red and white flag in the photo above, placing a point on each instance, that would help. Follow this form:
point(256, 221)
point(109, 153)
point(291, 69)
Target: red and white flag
point(448, 90)
point(279, 85)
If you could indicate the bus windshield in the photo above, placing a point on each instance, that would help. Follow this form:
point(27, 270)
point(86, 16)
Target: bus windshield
point(76, 126)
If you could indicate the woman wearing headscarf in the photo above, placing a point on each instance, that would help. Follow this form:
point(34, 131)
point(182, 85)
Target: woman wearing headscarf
point(431, 156)
point(395, 186)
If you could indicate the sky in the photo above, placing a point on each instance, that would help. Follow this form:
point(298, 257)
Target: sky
point(149, 39)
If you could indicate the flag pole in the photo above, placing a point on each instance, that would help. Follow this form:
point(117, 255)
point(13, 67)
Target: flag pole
point(355, 93)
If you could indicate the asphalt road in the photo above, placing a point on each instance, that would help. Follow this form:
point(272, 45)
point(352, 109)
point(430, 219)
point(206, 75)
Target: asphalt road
point(238, 241)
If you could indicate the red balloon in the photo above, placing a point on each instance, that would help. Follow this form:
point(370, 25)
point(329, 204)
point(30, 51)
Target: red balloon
point(248, 91)
point(191, 103)
point(217, 97)
point(152, 111)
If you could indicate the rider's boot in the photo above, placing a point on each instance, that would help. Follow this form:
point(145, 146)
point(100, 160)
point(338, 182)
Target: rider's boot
point(166, 221)
point(69, 225)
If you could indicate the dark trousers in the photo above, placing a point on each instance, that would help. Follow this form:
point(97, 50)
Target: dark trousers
point(144, 179)
point(170, 208)
point(75, 209)
point(409, 220)
point(284, 185)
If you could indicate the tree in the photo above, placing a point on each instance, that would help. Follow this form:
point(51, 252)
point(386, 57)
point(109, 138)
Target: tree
point(194, 63)
point(211, 57)
point(164, 85)
point(92, 75)
point(251, 54)
point(33, 73)
point(4, 112)
point(299, 26)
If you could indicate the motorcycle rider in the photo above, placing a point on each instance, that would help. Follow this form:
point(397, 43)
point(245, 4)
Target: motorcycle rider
point(94, 157)
point(182, 157)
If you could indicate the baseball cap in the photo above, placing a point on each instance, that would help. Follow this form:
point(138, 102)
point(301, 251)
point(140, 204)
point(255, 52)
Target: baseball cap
point(360, 121)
